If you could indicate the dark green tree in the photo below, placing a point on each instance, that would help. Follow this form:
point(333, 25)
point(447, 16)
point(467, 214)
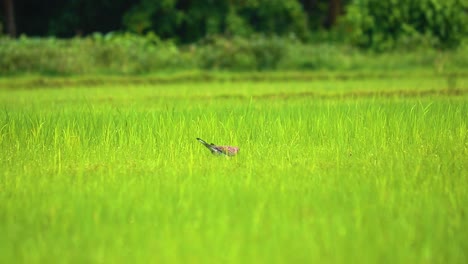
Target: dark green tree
point(80, 17)
point(191, 20)
point(323, 14)
point(387, 24)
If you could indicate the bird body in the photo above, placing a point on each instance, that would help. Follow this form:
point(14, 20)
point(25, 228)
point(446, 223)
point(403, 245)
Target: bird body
point(220, 150)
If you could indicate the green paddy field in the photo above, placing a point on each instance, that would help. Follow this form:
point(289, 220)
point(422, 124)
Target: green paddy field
point(360, 169)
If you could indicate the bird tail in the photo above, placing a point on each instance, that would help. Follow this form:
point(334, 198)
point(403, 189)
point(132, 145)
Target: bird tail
point(204, 143)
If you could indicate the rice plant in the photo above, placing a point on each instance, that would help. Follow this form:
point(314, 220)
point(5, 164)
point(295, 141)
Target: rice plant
point(368, 171)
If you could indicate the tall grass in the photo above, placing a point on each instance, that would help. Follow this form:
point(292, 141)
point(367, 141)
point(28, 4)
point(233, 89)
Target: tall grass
point(114, 174)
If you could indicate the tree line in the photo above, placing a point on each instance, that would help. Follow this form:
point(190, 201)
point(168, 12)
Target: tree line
point(184, 20)
point(379, 24)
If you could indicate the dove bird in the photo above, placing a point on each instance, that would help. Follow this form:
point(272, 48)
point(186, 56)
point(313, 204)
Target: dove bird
point(220, 150)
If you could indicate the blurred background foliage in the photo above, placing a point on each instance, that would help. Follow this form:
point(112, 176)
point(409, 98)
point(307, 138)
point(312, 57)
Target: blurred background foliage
point(398, 23)
point(141, 36)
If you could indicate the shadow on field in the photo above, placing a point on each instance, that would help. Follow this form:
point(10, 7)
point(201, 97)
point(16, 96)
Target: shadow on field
point(93, 81)
point(351, 94)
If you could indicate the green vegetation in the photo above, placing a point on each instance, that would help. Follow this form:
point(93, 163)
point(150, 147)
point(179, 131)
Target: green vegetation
point(368, 23)
point(384, 25)
point(153, 37)
point(129, 54)
point(358, 170)
point(350, 115)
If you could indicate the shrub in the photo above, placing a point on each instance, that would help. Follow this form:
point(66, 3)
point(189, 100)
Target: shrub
point(49, 56)
point(118, 53)
point(258, 52)
point(111, 53)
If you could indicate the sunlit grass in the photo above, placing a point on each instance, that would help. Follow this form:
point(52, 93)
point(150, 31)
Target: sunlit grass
point(114, 174)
